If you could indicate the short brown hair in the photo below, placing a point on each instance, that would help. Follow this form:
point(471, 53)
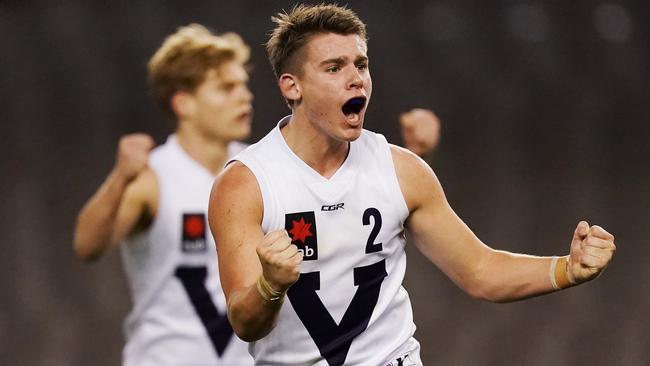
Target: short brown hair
point(294, 29)
point(185, 57)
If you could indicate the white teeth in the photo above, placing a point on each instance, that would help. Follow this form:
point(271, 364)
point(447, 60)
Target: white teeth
point(353, 117)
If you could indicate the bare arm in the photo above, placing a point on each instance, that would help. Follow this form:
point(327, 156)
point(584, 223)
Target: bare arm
point(120, 203)
point(479, 270)
point(247, 256)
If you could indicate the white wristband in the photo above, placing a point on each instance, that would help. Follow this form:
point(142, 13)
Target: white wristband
point(551, 273)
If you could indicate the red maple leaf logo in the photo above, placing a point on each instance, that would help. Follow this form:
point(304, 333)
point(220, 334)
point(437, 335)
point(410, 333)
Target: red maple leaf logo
point(300, 230)
point(194, 226)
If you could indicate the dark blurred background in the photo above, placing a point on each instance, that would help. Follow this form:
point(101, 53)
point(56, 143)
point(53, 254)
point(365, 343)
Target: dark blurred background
point(546, 121)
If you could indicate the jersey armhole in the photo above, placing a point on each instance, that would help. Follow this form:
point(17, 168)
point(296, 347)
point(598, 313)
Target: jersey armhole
point(393, 180)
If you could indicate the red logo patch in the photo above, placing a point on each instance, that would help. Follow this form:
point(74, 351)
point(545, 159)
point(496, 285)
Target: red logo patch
point(301, 226)
point(194, 226)
point(193, 233)
point(300, 230)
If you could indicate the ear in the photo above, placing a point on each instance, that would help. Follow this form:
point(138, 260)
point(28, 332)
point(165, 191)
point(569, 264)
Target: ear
point(182, 104)
point(290, 87)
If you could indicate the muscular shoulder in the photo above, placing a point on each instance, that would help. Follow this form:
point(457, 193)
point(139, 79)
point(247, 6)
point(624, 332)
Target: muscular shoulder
point(236, 189)
point(417, 180)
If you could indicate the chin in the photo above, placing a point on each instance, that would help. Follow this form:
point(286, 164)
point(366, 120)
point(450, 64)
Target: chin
point(352, 135)
point(241, 132)
point(242, 136)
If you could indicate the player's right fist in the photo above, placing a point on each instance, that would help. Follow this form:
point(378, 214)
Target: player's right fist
point(280, 260)
point(132, 154)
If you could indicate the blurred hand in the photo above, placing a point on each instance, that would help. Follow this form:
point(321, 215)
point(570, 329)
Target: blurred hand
point(132, 155)
point(592, 248)
point(420, 131)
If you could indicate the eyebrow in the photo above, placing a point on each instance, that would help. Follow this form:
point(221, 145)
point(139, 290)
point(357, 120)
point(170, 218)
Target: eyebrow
point(342, 60)
point(361, 59)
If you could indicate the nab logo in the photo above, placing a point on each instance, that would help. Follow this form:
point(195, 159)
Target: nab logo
point(193, 237)
point(332, 207)
point(301, 226)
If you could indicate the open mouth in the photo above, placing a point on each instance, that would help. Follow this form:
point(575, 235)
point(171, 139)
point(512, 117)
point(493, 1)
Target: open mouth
point(353, 107)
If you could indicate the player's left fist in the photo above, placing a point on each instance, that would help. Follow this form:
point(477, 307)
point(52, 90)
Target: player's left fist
point(420, 131)
point(592, 248)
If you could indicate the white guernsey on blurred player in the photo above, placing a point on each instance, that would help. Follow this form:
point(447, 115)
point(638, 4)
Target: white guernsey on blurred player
point(310, 220)
point(154, 204)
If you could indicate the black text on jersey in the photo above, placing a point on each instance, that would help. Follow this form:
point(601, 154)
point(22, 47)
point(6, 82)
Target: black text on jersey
point(332, 207)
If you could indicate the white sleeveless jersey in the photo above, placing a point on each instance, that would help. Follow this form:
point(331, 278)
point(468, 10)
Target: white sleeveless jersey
point(178, 315)
point(348, 306)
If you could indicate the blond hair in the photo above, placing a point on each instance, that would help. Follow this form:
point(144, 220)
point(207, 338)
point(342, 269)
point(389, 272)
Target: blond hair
point(294, 29)
point(185, 57)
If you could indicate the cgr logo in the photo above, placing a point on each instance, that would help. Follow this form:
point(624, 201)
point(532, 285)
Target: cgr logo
point(332, 207)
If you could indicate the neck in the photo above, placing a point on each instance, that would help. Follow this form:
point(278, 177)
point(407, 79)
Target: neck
point(321, 152)
point(208, 152)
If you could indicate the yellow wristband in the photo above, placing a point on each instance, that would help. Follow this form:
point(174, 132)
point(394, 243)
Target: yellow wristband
point(559, 273)
point(267, 292)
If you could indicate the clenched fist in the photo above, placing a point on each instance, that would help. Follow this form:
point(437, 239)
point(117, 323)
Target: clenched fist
point(420, 131)
point(132, 155)
point(592, 248)
point(280, 260)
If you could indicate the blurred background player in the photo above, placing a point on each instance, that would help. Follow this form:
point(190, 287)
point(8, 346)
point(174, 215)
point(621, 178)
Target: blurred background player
point(154, 203)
